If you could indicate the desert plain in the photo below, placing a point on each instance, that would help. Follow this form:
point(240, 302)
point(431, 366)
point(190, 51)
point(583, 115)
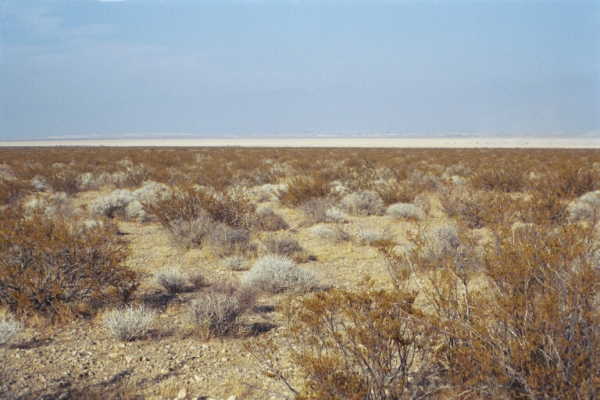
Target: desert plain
point(374, 269)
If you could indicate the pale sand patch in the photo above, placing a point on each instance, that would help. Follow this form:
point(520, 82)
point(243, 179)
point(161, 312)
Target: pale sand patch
point(520, 142)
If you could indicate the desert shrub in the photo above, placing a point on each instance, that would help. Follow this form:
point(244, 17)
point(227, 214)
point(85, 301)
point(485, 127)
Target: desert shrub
point(405, 210)
point(284, 246)
point(135, 211)
point(478, 209)
point(172, 279)
point(236, 263)
point(541, 336)
point(459, 169)
point(346, 345)
point(543, 207)
point(321, 210)
point(9, 329)
point(530, 329)
point(268, 221)
point(586, 207)
point(363, 203)
point(368, 236)
point(87, 181)
point(134, 175)
point(39, 183)
point(328, 232)
point(503, 178)
point(129, 323)
point(151, 192)
point(273, 273)
point(217, 311)
point(571, 179)
point(395, 192)
point(268, 192)
point(304, 188)
point(441, 240)
point(7, 173)
point(112, 205)
point(51, 268)
point(191, 233)
point(227, 240)
point(55, 204)
point(187, 204)
point(66, 180)
point(12, 190)
point(423, 180)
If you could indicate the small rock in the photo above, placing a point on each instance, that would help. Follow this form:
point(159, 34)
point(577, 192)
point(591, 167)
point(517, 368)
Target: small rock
point(182, 394)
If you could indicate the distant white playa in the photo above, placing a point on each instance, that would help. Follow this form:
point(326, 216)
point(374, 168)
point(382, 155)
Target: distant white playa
point(524, 142)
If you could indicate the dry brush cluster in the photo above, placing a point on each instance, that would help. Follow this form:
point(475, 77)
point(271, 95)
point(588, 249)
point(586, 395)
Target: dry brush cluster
point(495, 294)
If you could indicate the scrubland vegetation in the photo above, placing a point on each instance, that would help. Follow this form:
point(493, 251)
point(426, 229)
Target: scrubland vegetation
point(306, 274)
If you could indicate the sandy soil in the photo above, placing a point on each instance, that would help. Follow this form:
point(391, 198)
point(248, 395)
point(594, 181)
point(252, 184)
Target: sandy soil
point(522, 142)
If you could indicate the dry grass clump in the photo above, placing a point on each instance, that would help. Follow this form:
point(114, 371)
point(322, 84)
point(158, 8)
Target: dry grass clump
point(396, 192)
point(274, 273)
point(174, 280)
point(369, 236)
point(268, 192)
point(216, 311)
point(363, 203)
point(329, 232)
point(283, 246)
point(12, 190)
point(268, 220)
point(50, 268)
point(64, 179)
point(130, 205)
point(9, 329)
point(54, 204)
point(585, 208)
point(405, 210)
point(191, 233)
point(113, 205)
point(39, 184)
point(236, 263)
point(322, 210)
point(129, 323)
point(226, 240)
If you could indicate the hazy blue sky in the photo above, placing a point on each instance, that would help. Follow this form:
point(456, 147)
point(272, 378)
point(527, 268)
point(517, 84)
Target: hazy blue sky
point(84, 67)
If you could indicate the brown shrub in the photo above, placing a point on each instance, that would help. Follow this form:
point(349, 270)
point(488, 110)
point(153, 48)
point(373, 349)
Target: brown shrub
point(227, 241)
point(12, 190)
point(65, 180)
point(531, 328)
point(505, 177)
point(50, 268)
point(217, 310)
point(284, 246)
point(268, 220)
point(345, 345)
point(188, 204)
point(304, 188)
point(396, 192)
point(570, 180)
